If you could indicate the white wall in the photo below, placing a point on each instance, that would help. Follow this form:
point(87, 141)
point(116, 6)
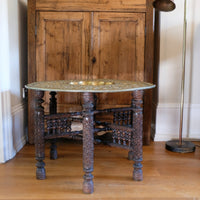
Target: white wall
point(13, 72)
point(168, 110)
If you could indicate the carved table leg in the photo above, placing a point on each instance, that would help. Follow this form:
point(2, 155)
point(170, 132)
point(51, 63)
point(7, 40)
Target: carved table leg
point(39, 135)
point(136, 153)
point(53, 110)
point(131, 153)
point(88, 141)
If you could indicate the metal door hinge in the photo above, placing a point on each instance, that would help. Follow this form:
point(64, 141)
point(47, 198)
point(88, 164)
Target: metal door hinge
point(24, 93)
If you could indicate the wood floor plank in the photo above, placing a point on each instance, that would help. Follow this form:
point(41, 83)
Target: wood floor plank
point(167, 175)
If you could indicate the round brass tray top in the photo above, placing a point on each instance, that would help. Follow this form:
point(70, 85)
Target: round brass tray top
point(96, 86)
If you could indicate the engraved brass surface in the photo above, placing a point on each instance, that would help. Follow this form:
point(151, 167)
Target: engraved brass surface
point(97, 86)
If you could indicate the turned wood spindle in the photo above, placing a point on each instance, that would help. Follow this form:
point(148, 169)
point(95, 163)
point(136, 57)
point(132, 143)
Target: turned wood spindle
point(53, 110)
point(136, 145)
point(88, 141)
point(39, 135)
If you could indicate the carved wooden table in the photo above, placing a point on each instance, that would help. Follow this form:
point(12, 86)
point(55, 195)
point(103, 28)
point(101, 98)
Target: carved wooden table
point(126, 127)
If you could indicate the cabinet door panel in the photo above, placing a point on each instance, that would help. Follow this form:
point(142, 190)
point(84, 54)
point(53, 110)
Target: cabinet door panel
point(118, 46)
point(62, 46)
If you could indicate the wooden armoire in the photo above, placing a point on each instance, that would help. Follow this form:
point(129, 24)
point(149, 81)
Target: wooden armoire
point(91, 39)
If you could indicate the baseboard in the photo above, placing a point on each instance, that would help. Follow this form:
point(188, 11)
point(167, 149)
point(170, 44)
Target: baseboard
point(20, 143)
point(7, 149)
point(153, 125)
point(168, 122)
point(13, 127)
point(17, 108)
point(18, 123)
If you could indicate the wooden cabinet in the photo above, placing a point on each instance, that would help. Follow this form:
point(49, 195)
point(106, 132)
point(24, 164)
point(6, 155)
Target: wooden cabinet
point(63, 48)
point(118, 48)
point(91, 39)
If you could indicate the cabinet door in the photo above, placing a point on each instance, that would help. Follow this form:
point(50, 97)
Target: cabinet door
point(118, 47)
point(62, 49)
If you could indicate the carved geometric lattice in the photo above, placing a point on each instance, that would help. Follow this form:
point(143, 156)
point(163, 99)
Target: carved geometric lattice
point(122, 117)
point(58, 126)
point(122, 135)
point(121, 128)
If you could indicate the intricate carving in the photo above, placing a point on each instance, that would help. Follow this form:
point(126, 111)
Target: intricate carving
point(121, 135)
point(88, 141)
point(127, 123)
point(53, 103)
point(122, 117)
point(39, 135)
point(57, 127)
point(124, 135)
point(137, 123)
point(53, 110)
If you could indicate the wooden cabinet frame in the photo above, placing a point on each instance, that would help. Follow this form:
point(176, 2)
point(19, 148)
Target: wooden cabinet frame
point(134, 6)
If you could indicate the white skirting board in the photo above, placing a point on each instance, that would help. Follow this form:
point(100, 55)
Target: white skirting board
point(12, 130)
point(19, 126)
point(168, 122)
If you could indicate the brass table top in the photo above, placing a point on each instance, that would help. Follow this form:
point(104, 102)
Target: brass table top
point(94, 86)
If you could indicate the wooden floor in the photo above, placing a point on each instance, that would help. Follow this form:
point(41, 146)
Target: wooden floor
point(167, 175)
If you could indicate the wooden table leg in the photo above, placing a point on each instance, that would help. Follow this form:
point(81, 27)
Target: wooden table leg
point(88, 141)
point(39, 135)
point(137, 151)
point(53, 110)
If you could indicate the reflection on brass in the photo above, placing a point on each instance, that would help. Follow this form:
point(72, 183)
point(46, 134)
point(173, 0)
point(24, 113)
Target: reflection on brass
point(94, 83)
